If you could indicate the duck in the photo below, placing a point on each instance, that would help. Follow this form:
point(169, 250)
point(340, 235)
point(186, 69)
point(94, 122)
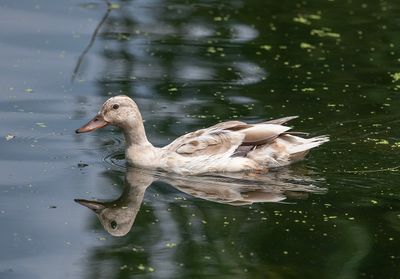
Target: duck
point(227, 147)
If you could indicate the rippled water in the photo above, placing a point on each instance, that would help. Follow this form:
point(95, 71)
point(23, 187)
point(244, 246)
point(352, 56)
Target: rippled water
point(189, 65)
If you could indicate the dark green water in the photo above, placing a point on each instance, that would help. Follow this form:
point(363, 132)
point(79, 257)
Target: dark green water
point(189, 65)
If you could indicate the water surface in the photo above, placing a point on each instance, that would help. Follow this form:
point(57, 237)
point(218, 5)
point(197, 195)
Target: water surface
point(189, 65)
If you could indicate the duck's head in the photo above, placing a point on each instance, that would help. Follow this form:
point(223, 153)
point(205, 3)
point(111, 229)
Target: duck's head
point(120, 111)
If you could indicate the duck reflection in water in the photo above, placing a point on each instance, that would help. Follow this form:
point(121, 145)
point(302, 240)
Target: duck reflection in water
point(117, 216)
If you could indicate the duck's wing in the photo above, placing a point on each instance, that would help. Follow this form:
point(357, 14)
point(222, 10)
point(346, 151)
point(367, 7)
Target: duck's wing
point(226, 137)
point(206, 142)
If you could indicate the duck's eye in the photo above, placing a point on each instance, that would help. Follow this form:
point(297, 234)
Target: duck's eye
point(113, 224)
point(116, 106)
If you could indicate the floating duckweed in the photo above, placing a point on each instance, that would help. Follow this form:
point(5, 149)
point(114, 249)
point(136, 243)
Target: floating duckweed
point(141, 267)
point(170, 244)
point(266, 47)
point(173, 89)
point(315, 17)
point(151, 269)
point(200, 116)
point(306, 46)
point(395, 77)
point(211, 49)
point(28, 90)
point(9, 137)
point(396, 145)
point(325, 32)
point(373, 201)
point(301, 19)
point(122, 37)
point(308, 89)
point(41, 125)
point(114, 6)
point(382, 141)
point(377, 141)
point(306, 19)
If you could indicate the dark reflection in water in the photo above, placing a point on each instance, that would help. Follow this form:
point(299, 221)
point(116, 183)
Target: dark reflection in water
point(118, 216)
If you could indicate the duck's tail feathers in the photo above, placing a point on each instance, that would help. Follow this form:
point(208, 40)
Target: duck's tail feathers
point(308, 144)
point(280, 121)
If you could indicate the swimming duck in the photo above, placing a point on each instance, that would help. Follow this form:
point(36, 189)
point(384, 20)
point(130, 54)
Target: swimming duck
point(231, 146)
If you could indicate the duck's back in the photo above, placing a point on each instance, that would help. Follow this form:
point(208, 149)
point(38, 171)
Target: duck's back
point(238, 146)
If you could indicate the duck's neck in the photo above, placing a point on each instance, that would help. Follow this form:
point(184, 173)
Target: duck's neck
point(135, 134)
point(138, 150)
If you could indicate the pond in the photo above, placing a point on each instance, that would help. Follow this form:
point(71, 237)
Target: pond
point(188, 65)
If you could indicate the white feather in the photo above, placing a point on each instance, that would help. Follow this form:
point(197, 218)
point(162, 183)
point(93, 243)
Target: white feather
point(308, 144)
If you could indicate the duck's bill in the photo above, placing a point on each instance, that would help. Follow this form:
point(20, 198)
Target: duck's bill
point(93, 205)
point(96, 123)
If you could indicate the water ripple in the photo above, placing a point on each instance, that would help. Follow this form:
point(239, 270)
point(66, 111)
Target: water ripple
point(116, 159)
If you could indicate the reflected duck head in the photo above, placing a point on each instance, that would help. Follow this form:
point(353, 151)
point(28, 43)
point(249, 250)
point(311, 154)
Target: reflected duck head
point(117, 220)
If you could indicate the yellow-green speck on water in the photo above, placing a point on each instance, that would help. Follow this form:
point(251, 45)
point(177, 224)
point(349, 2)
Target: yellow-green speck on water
point(395, 77)
point(114, 6)
point(325, 32)
point(306, 45)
